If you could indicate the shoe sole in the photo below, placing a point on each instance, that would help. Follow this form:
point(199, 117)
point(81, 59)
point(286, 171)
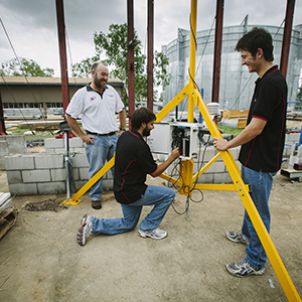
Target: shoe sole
point(80, 232)
point(255, 273)
point(143, 235)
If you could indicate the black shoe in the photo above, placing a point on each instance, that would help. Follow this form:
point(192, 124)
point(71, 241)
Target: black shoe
point(96, 204)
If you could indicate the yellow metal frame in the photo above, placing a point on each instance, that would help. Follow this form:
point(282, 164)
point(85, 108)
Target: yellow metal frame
point(188, 181)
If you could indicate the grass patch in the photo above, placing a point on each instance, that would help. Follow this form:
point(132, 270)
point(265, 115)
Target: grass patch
point(230, 130)
point(38, 135)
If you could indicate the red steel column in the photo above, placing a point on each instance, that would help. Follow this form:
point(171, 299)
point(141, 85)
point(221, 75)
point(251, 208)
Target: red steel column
point(130, 63)
point(217, 51)
point(290, 8)
point(150, 54)
point(62, 48)
point(2, 124)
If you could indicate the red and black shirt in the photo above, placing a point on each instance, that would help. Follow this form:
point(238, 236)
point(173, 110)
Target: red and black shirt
point(133, 161)
point(264, 152)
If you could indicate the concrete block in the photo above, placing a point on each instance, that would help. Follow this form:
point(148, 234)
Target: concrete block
point(222, 178)
point(235, 152)
point(4, 148)
point(238, 163)
point(207, 154)
point(76, 142)
point(78, 150)
point(217, 167)
point(23, 189)
point(16, 144)
point(58, 174)
point(48, 161)
point(53, 143)
point(59, 151)
point(206, 178)
point(79, 184)
point(51, 187)
point(14, 177)
point(36, 176)
point(19, 162)
point(2, 164)
point(75, 174)
point(80, 161)
point(83, 173)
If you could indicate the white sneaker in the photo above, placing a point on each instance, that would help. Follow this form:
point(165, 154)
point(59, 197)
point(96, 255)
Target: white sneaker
point(156, 234)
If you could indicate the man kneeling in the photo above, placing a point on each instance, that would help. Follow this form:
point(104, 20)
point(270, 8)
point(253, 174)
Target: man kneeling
point(133, 162)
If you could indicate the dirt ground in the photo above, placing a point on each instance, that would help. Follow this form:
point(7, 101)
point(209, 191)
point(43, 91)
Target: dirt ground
point(41, 261)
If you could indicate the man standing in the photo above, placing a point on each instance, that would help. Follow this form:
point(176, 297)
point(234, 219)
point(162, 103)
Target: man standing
point(133, 162)
point(262, 144)
point(97, 105)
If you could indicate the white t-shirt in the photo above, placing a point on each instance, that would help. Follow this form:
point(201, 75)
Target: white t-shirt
point(98, 113)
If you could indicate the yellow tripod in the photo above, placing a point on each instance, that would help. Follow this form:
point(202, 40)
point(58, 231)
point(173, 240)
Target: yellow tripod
point(188, 180)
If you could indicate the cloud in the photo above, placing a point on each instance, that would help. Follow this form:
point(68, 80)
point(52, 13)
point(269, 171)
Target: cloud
point(32, 24)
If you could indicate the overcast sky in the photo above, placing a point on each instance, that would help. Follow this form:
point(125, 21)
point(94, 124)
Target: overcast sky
point(32, 25)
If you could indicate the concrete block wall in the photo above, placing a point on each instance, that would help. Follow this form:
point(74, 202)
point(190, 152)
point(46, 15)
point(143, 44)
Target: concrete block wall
point(11, 144)
point(45, 173)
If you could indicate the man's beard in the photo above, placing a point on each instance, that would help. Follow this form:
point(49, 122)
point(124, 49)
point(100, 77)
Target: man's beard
point(98, 83)
point(146, 131)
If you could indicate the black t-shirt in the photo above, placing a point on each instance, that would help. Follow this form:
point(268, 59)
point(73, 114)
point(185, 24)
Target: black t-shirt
point(133, 161)
point(264, 152)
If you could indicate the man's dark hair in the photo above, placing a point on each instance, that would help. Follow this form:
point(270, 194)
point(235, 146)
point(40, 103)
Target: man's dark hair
point(257, 38)
point(140, 116)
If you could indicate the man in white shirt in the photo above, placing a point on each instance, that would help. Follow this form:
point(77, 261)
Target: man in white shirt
point(97, 105)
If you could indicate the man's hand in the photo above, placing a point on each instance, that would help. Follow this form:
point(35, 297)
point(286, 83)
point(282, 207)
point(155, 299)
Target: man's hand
point(120, 132)
point(221, 144)
point(175, 153)
point(87, 139)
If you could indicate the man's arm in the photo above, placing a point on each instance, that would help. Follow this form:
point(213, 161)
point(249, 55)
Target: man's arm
point(163, 166)
point(122, 118)
point(253, 129)
point(74, 125)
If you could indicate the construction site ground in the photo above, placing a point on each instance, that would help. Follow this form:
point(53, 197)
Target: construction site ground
point(40, 260)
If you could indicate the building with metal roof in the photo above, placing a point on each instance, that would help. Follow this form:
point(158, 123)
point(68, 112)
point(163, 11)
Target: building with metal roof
point(236, 83)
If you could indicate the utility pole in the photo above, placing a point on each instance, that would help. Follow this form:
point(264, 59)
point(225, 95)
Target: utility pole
point(150, 54)
point(2, 124)
point(62, 48)
point(290, 8)
point(217, 51)
point(130, 63)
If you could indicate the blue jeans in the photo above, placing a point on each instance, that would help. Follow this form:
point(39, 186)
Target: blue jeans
point(260, 184)
point(161, 199)
point(102, 149)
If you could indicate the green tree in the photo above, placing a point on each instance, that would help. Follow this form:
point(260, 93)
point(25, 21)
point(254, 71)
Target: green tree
point(114, 46)
point(28, 67)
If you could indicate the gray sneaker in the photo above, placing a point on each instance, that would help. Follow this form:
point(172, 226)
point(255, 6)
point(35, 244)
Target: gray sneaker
point(236, 237)
point(243, 269)
point(156, 234)
point(85, 230)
